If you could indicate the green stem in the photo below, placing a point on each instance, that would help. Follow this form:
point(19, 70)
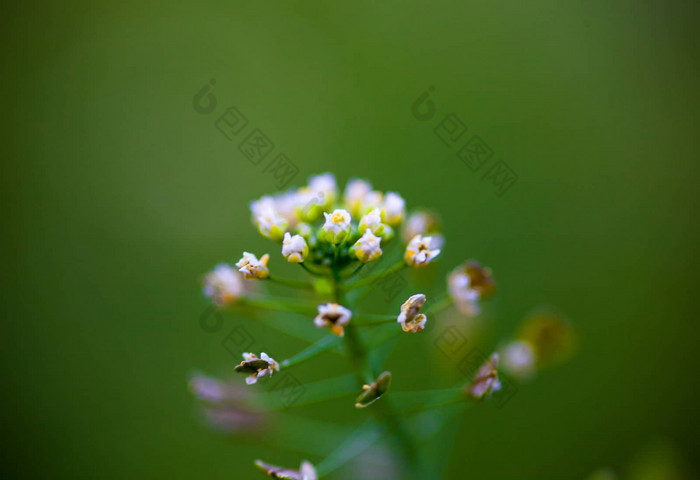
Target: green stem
point(358, 357)
point(278, 305)
point(375, 278)
point(356, 271)
point(370, 319)
point(315, 274)
point(321, 346)
point(291, 283)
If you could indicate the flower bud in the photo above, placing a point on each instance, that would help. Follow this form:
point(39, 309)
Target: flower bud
point(294, 248)
point(394, 209)
point(337, 226)
point(367, 247)
point(223, 285)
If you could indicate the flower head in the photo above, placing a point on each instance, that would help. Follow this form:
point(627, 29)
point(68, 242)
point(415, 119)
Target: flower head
point(294, 248)
point(394, 209)
point(333, 316)
point(485, 381)
point(367, 247)
point(251, 267)
point(257, 367)
point(410, 318)
point(469, 283)
point(337, 226)
point(223, 285)
point(305, 472)
point(418, 252)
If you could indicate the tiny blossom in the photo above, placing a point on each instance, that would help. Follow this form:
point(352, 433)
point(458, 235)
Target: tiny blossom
point(226, 406)
point(270, 223)
point(393, 209)
point(371, 221)
point(251, 267)
point(367, 247)
point(485, 381)
point(294, 248)
point(325, 187)
point(519, 359)
point(409, 318)
point(305, 472)
point(333, 316)
point(223, 285)
point(257, 367)
point(469, 283)
point(337, 226)
point(355, 191)
point(418, 252)
point(372, 200)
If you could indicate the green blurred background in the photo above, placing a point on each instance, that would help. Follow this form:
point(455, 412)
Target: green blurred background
point(117, 196)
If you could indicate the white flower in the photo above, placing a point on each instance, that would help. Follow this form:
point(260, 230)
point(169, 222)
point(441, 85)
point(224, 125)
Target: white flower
point(325, 185)
point(333, 316)
point(372, 200)
point(223, 285)
point(337, 226)
point(421, 222)
point(367, 247)
point(270, 223)
point(465, 298)
point(257, 367)
point(469, 283)
point(409, 318)
point(418, 252)
point(251, 267)
point(394, 209)
point(294, 248)
point(371, 220)
point(306, 472)
point(355, 191)
point(519, 359)
point(486, 379)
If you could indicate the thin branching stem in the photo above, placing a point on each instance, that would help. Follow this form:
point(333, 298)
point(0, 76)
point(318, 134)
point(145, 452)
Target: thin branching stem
point(312, 272)
point(278, 304)
point(291, 283)
point(376, 277)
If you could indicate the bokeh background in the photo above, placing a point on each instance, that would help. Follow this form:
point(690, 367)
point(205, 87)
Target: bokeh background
point(117, 196)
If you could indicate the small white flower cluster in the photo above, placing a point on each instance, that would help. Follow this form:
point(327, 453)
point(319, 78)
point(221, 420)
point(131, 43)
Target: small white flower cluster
point(362, 218)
